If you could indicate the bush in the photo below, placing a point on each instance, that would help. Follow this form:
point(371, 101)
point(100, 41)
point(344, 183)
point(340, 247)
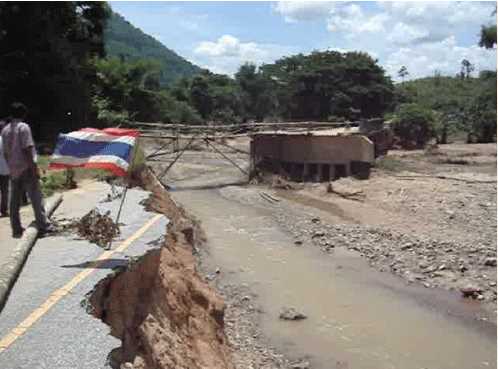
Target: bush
point(52, 183)
point(414, 126)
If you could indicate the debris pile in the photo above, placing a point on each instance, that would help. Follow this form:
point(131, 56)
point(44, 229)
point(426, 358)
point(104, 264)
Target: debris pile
point(281, 183)
point(350, 195)
point(97, 228)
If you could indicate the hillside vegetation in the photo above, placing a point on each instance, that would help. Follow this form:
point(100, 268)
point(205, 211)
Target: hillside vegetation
point(123, 40)
point(458, 105)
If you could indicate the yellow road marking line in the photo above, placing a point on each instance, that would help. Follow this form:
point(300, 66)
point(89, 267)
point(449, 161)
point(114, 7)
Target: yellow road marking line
point(58, 294)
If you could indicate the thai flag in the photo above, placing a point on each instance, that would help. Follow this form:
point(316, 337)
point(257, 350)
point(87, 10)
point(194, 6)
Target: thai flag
point(109, 149)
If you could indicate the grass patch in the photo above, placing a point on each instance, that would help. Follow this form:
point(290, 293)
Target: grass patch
point(390, 164)
point(57, 180)
point(52, 183)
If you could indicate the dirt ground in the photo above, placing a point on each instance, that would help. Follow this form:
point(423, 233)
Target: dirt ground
point(428, 217)
point(441, 231)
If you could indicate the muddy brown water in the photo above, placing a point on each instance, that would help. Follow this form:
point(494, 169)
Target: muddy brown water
point(357, 317)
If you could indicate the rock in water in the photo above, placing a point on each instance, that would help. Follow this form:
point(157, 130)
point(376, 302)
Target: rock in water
point(490, 262)
point(470, 291)
point(318, 234)
point(291, 314)
point(302, 364)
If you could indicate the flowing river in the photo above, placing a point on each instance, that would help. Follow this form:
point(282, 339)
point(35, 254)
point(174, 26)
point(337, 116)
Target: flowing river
point(358, 318)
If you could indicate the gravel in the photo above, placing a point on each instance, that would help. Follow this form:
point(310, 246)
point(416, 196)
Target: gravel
point(242, 316)
point(433, 263)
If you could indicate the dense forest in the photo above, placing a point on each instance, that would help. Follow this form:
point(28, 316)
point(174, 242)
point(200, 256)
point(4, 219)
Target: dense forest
point(79, 64)
point(123, 40)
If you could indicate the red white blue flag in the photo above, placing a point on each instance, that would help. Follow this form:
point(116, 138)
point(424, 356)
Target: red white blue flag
point(109, 149)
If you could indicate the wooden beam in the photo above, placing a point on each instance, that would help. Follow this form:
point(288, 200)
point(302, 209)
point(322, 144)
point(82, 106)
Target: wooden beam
point(245, 125)
point(155, 153)
point(176, 158)
point(227, 158)
point(167, 137)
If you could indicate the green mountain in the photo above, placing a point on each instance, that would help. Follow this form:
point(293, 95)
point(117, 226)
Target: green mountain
point(122, 39)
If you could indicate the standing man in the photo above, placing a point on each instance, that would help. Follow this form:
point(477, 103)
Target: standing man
point(24, 174)
point(4, 179)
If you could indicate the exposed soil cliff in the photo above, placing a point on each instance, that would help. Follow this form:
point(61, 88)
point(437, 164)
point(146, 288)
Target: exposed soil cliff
point(165, 315)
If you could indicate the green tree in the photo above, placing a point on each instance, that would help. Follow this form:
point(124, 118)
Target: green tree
point(452, 100)
point(403, 72)
point(258, 99)
point(329, 84)
point(466, 69)
point(214, 96)
point(200, 98)
point(414, 125)
point(482, 111)
point(488, 35)
point(128, 90)
point(480, 114)
point(45, 53)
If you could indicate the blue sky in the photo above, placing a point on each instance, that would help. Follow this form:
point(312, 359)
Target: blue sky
point(222, 35)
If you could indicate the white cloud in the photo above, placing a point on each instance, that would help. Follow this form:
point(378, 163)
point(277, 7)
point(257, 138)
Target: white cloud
point(230, 46)
point(351, 19)
point(435, 21)
point(294, 11)
point(403, 34)
point(423, 36)
point(445, 56)
point(227, 53)
point(440, 12)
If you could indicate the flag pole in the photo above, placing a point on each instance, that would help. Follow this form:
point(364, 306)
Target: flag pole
point(123, 197)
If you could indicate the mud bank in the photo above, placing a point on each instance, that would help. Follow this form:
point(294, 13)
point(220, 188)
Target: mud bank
point(165, 315)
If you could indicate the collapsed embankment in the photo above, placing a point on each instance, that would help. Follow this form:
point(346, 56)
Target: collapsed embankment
point(165, 315)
